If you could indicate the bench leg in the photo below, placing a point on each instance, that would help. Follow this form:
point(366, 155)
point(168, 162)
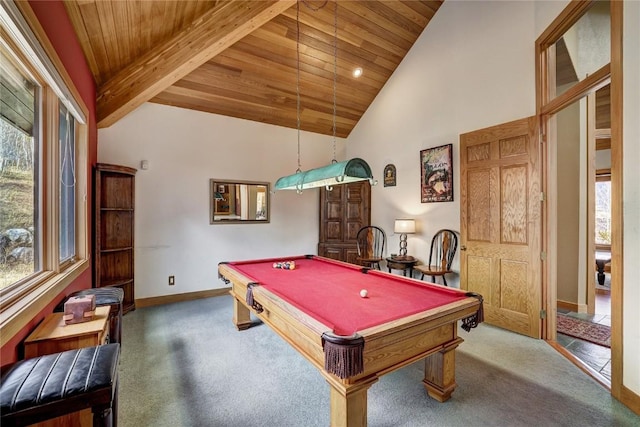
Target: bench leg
point(107, 415)
point(102, 416)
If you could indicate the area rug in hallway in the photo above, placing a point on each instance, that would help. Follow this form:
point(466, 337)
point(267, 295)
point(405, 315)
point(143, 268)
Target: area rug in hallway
point(584, 330)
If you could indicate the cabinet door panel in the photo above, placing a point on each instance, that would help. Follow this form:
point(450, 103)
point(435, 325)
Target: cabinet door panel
point(343, 211)
point(115, 229)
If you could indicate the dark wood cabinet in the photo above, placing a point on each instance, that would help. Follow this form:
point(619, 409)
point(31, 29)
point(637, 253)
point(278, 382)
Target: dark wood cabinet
point(343, 211)
point(114, 195)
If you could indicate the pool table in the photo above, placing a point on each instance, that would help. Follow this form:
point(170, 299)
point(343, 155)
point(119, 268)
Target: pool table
point(317, 307)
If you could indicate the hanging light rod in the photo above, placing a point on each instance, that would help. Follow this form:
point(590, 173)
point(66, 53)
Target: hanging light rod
point(337, 173)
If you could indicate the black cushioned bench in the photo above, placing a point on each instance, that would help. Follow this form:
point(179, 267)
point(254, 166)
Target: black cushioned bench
point(45, 387)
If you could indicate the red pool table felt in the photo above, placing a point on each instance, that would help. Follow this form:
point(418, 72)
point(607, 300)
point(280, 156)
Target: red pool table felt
point(329, 291)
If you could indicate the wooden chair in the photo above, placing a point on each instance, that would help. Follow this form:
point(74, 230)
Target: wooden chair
point(371, 241)
point(443, 248)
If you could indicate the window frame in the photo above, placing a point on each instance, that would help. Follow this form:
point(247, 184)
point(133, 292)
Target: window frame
point(20, 302)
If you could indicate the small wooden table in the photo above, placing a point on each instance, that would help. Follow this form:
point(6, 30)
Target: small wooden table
point(53, 336)
point(402, 263)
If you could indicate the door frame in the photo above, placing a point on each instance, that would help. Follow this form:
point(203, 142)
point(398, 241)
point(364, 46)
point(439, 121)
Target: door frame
point(545, 108)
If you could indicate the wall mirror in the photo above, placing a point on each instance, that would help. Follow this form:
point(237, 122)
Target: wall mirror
point(233, 202)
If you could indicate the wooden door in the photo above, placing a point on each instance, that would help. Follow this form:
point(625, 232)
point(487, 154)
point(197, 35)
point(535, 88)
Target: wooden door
point(501, 223)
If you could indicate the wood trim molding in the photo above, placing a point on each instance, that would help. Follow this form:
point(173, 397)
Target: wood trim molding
point(563, 22)
point(15, 317)
point(617, 213)
point(630, 399)
point(595, 81)
point(545, 108)
point(158, 69)
point(189, 296)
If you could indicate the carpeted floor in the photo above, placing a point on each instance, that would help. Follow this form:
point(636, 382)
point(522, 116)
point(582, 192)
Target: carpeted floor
point(185, 364)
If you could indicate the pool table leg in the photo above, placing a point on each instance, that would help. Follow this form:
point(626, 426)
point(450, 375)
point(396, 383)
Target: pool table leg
point(241, 315)
point(349, 402)
point(440, 372)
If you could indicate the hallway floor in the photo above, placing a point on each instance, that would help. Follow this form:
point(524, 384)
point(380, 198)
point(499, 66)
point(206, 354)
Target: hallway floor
point(596, 356)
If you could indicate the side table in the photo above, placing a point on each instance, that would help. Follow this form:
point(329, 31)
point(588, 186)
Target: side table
point(405, 264)
point(53, 336)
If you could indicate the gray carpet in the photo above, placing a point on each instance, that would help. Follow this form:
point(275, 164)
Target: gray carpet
point(185, 364)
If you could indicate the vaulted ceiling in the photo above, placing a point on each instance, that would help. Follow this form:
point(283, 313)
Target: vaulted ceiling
point(240, 58)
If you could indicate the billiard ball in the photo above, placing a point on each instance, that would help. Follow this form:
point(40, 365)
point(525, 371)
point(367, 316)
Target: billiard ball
point(363, 293)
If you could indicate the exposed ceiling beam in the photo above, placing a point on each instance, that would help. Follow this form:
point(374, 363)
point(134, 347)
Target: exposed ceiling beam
point(157, 70)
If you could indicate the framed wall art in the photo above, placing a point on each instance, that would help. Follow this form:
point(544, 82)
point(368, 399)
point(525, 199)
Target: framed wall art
point(390, 176)
point(436, 174)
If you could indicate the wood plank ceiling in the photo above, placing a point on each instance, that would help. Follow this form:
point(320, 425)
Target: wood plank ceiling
point(239, 58)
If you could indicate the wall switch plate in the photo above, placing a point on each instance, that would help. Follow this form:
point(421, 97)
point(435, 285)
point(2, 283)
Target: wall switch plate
point(172, 280)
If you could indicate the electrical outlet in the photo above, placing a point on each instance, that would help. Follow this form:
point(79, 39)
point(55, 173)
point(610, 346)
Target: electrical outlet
point(172, 280)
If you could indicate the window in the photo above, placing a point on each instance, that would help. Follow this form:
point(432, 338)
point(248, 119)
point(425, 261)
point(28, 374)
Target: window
point(67, 146)
point(43, 138)
point(603, 209)
point(19, 171)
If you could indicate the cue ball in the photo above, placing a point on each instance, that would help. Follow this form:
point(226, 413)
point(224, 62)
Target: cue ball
point(363, 293)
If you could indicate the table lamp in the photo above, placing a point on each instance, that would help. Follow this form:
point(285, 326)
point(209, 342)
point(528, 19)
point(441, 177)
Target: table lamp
point(404, 227)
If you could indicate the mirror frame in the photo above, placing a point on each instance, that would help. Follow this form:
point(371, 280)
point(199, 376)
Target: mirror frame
point(215, 183)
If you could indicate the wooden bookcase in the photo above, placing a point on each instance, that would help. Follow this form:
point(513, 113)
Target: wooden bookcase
point(114, 195)
point(343, 211)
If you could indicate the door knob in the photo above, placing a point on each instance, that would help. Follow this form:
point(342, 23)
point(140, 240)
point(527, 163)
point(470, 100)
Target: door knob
point(463, 248)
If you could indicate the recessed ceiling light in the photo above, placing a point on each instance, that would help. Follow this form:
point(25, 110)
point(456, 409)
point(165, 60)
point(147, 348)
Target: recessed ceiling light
point(357, 72)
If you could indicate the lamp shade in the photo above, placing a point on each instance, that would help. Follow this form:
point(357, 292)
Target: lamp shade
point(404, 226)
point(333, 174)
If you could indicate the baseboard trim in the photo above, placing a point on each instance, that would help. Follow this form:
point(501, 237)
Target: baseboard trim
point(566, 305)
point(189, 296)
point(630, 399)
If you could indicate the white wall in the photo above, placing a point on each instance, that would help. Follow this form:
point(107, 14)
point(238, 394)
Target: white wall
point(569, 203)
point(473, 67)
point(631, 197)
point(187, 148)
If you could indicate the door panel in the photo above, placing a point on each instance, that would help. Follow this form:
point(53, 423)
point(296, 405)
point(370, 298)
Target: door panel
point(343, 211)
point(500, 223)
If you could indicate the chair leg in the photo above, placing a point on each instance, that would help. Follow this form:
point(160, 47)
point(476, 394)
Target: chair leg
point(422, 277)
point(444, 279)
point(433, 279)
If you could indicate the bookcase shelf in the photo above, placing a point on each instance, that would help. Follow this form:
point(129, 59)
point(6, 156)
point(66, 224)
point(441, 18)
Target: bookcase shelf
point(114, 195)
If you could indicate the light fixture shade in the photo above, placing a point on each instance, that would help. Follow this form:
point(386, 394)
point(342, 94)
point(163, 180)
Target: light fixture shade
point(333, 174)
point(404, 226)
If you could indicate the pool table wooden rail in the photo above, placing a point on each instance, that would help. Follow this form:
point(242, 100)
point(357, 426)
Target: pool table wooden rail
point(431, 335)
